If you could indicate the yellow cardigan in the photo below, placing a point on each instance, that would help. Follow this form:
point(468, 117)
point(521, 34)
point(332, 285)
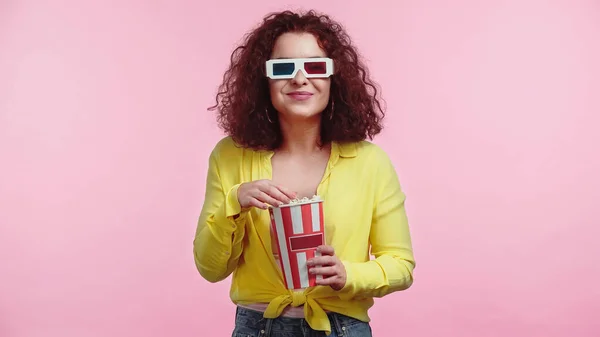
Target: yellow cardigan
point(363, 205)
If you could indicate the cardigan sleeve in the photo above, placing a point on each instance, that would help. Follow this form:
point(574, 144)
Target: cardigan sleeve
point(392, 268)
point(221, 226)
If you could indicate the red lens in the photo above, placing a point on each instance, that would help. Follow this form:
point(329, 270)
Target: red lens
point(315, 68)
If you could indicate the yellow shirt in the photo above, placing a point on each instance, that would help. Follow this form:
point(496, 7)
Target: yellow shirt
point(363, 206)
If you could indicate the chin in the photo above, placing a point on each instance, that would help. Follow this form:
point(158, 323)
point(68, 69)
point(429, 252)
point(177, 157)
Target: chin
point(302, 114)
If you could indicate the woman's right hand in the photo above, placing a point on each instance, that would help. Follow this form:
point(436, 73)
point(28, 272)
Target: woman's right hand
point(259, 193)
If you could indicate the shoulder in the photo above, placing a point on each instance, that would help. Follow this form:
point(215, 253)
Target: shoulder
point(229, 155)
point(379, 165)
point(373, 159)
point(226, 147)
point(371, 152)
point(364, 155)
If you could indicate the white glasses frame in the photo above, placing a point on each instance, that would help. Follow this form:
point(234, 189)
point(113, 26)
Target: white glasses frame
point(299, 65)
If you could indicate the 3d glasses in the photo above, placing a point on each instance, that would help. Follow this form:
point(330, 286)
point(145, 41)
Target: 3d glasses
point(288, 68)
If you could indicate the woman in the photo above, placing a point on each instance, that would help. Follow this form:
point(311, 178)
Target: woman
point(297, 106)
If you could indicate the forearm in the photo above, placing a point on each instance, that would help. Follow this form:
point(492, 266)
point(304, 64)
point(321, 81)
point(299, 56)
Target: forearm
point(218, 241)
point(376, 278)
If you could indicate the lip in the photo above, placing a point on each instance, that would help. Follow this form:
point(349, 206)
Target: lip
point(300, 95)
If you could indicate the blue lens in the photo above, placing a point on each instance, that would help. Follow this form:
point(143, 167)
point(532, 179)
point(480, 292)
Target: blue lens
point(283, 68)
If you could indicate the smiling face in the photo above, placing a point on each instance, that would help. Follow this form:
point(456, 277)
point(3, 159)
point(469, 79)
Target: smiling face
point(299, 98)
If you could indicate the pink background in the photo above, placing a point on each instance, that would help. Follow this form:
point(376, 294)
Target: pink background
point(493, 116)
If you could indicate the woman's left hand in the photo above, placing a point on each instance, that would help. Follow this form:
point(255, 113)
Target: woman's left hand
point(331, 268)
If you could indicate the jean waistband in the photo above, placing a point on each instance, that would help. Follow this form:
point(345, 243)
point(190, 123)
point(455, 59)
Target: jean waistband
point(255, 320)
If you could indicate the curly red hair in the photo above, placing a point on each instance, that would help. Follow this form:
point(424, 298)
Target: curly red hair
point(243, 102)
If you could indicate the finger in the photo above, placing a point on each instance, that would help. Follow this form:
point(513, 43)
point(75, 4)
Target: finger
point(326, 250)
point(325, 271)
point(327, 281)
point(322, 261)
point(264, 197)
point(258, 204)
point(287, 192)
point(277, 194)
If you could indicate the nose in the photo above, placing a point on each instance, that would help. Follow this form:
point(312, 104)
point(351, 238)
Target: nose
point(300, 79)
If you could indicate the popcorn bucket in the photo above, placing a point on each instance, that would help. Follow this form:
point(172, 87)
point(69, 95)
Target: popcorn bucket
point(297, 231)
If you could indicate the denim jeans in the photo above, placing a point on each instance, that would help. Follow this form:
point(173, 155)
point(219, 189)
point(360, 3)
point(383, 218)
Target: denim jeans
point(250, 323)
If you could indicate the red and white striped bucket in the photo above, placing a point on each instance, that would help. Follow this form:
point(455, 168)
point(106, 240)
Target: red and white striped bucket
point(297, 232)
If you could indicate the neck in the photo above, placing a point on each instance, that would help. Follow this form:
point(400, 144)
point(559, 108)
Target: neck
point(300, 136)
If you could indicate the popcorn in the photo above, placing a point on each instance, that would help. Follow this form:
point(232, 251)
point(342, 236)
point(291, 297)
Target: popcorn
point(300, 201)
point(305, 200)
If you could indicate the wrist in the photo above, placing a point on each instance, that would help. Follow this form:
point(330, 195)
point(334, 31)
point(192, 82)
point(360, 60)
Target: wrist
point(233, 207)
